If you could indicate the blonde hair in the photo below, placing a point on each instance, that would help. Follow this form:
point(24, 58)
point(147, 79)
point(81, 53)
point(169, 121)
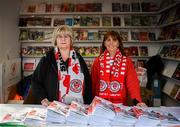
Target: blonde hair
point(59, 30)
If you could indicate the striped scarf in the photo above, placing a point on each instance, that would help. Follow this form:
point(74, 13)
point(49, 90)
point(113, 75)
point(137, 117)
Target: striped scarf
point(71, 79)
point(112, 76)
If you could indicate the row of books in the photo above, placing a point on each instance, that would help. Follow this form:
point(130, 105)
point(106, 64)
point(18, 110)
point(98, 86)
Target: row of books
point(36, 35)
point(143, 36)
point(170, 16)
point(171, 51)
point(172, 89)
point(171, 32)
point(88, 51)
point(140, 20)
point(136, 51)
point(100, 112)
point(89, 21)
point(84, 34)
point(34, 51)
point(35, 21)
point(44, 7)
point(61, 7)
point(135, 7)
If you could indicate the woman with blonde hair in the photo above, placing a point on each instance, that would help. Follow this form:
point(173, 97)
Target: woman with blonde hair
point(62, 74)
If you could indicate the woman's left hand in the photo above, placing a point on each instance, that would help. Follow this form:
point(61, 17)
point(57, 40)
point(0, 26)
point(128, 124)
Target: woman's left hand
point(141, 104)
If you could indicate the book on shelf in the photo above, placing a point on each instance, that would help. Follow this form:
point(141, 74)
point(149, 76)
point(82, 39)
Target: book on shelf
point(127, 20)
point(149, 6)
point(41, 7)
point(67, 7)
point(150, 20)
point(165, 4)
point(31, 8)
point(101, 34)
point(76, 21)
point(94, 21)
point(116, 7)
point(170, 88)
point(134, 51)
point(48, 35)
point(127, 51)
point(49, 7)
point(143, 51)
point(29, 64)
point(83, 35)
point(174, 50)
point(97, 7)
point(136, 20)
point(93, 35)
point(81, 7)
point(135, 7)
point(56, 8)
point(124, 35)
point(145, 20)
point(106, 20)
point(125, 7)
point(59, 21)
point(176, 74)
point(116, 21)
point(177, 96)
point(134, 36)
point(164, 50)
point(69, 21)
point(152, 36)
point(175, 90)
point(23, 35)
point(143, 36)
point(141, 63)
point(84, 20)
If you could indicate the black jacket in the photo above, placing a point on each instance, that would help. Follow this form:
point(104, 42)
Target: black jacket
point(45, 79)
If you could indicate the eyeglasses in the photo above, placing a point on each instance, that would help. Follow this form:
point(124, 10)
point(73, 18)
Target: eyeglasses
point(65, 37)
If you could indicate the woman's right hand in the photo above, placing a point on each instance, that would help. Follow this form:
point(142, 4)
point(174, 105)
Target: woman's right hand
point(45, 102)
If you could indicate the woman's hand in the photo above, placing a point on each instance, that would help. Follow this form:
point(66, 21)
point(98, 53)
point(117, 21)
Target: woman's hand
point(141, 104)
point(45, 102)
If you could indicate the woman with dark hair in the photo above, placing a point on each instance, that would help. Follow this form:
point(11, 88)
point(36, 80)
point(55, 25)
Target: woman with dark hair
point(113, 74)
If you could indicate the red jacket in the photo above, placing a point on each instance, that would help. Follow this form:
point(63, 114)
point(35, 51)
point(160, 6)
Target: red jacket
point(131, 81)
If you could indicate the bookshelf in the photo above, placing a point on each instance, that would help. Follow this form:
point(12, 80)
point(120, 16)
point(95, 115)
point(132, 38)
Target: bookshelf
point(29, 25)
point(138, 28)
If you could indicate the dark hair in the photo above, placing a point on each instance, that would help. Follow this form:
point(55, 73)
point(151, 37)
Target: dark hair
point(115, 35)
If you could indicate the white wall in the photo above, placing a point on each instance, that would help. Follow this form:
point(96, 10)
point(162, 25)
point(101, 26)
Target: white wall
point(9, 32)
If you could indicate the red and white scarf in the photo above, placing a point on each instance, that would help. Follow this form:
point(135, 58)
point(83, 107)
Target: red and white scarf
point(71, 79)
point(112, 76)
